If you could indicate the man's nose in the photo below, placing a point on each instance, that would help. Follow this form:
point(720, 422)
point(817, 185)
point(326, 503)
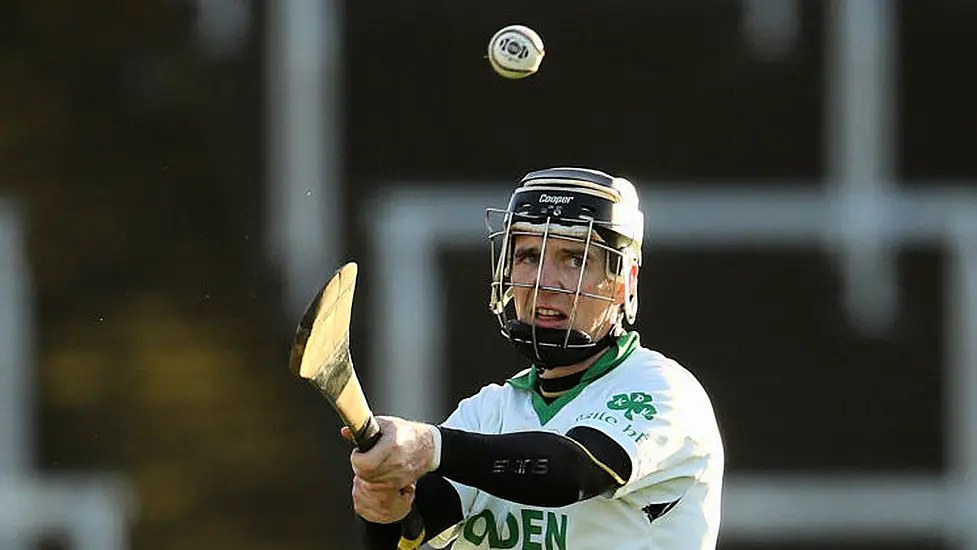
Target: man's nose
point(550, 274)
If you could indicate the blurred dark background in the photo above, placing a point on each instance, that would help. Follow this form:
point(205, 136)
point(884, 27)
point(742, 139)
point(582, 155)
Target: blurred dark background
point(136, 155)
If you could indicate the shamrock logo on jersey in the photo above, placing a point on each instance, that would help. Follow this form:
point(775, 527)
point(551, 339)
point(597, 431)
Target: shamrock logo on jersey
point(638, 403)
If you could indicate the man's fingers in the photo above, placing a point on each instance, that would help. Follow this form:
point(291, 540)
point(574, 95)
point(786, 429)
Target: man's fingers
point(375, 486)
point(369, 465)
point(387, 477)
point(382, 487)
point(346, 433)
point(366, 464)
point(381, 503)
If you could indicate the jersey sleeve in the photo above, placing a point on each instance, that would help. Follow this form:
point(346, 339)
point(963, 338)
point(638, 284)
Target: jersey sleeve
point(653, 419)
point(480, 413)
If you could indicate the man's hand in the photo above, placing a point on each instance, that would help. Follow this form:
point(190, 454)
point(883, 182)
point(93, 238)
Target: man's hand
point(381, 502)
point(404, 453)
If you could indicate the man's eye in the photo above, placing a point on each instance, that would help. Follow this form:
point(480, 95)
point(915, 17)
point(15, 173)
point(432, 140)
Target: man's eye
point(576, 261)
point(526, 257)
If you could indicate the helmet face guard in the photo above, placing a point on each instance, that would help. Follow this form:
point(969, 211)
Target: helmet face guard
point(585, 207)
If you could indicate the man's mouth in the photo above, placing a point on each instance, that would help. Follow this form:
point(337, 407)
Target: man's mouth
point(549, 317)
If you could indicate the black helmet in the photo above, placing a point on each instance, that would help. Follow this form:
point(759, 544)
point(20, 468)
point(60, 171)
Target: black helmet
point(575, 204)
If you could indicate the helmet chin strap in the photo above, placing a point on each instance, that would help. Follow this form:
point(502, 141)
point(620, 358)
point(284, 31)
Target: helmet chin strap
point(549, 351)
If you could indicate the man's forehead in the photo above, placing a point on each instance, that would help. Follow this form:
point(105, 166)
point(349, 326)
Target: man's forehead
point(527, 240)
point(535, 241)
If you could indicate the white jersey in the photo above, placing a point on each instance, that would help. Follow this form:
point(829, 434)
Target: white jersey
point(655, 409)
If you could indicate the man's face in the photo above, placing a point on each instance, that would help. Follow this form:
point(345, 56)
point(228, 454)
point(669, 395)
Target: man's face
point(561, 269)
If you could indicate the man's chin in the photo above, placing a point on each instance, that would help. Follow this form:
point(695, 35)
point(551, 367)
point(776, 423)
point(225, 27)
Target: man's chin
point(551, 324)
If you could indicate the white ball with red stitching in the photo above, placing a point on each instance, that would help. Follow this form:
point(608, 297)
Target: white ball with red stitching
point(515, 51)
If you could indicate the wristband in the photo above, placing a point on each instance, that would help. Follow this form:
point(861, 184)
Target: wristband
point(436, 460)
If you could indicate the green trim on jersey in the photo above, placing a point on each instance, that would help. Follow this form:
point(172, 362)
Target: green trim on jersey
point(614, 356)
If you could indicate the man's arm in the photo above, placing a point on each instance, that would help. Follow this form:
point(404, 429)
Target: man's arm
point(535, 468)
point(531, 468)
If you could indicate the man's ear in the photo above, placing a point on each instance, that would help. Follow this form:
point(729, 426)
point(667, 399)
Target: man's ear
point(633, 276)
point(629, 292)
point(627, 282)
